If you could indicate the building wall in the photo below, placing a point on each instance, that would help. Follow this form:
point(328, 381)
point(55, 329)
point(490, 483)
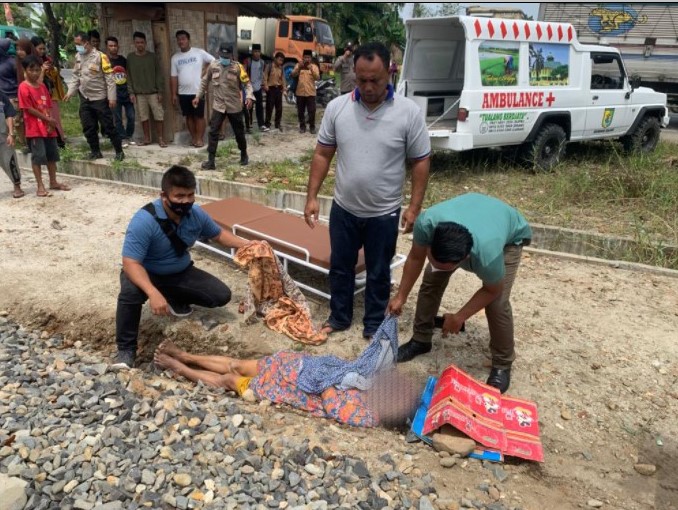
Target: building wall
point(121, 20)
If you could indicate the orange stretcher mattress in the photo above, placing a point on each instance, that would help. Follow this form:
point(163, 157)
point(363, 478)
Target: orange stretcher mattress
point(233, 212)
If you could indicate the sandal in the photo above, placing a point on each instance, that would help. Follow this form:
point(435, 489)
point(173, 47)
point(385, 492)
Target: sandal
point(19, 194)
point(43, 194)
point(143, 143)
point(162, 143)
point(61, 187)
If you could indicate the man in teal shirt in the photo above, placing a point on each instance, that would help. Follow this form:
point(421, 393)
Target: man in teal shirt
point(480, 234)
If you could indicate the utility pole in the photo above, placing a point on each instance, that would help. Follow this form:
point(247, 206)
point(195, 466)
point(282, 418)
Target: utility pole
point(318, 10)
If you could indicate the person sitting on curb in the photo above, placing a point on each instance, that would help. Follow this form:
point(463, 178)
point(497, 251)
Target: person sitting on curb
point(480, 234)
point(157, 266)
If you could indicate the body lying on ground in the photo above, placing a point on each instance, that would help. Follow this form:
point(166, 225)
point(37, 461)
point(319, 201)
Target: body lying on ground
point(391, 399)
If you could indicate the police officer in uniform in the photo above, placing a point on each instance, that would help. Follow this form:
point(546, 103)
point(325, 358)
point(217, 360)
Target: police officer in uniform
point(228, 76)
point(93, 80)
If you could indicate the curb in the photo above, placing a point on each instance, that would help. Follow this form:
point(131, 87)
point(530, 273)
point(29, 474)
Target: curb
point(565, 243)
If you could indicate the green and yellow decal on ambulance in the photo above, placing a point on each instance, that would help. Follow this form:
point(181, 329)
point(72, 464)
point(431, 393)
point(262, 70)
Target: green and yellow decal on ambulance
point(608, 115)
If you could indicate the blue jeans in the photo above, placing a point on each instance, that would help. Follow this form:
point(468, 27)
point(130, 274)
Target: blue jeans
point(378, 236)
point(124, 132)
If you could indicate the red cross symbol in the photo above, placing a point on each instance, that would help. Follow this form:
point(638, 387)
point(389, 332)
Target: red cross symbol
point(550, 98)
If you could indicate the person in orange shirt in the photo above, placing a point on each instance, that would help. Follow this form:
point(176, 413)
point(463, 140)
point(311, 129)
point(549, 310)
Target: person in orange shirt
point(307, 74)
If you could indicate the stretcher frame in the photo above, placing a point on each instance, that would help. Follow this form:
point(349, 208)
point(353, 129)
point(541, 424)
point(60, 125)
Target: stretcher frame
point(303, 260)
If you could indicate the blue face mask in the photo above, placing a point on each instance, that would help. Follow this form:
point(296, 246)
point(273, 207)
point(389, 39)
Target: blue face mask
point(225, 61)
point(80, 49)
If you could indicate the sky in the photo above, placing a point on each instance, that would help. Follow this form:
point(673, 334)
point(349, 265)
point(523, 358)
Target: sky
point(529, 8)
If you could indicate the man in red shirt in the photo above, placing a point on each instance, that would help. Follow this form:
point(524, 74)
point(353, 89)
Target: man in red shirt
point(41, 134)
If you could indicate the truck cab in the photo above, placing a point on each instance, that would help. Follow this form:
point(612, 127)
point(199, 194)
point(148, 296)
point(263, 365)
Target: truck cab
point(489, 82)
point(291, 36)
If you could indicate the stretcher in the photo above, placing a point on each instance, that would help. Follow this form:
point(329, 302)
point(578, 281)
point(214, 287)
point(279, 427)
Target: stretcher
point(287, 233)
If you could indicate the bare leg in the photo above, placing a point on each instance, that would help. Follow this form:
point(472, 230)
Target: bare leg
point(227, 381)
point(200, 131)
point(53, 183)
point(147, 132)
point(37, 172)
point(190, 125)
point(215, 364)
point(161, 133)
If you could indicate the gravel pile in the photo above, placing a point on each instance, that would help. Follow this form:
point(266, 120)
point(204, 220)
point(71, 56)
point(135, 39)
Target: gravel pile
point(83, 437)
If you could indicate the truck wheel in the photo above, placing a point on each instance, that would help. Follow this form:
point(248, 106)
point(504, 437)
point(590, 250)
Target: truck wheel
point(644, 138)
point(545, 151)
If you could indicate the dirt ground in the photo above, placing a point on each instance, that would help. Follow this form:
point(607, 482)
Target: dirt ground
point(596, 348)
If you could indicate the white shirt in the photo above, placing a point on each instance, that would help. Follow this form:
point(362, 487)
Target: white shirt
point(187, 67)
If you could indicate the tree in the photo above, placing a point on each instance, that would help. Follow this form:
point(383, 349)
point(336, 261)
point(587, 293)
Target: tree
point(21, 18)
point(445, 9)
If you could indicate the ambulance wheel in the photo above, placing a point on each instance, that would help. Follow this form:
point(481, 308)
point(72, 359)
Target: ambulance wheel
point(644, 138)
point(547, 148)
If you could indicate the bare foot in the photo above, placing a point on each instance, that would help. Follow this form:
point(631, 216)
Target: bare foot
point(18, 193)
point(170, 348)
point(43, 193)
point(167, 362)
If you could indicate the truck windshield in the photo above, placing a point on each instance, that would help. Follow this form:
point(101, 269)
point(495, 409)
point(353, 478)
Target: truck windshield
point(323, 33)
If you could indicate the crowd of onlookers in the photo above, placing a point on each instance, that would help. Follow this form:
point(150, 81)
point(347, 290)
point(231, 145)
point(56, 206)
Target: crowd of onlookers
point(115, 91)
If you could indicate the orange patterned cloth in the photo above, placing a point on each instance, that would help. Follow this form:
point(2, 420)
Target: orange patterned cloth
point(273, 294)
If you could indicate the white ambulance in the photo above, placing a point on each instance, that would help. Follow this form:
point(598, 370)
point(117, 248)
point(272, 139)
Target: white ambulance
point(490, 82)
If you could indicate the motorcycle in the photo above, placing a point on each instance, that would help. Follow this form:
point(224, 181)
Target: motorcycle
point(325, 91)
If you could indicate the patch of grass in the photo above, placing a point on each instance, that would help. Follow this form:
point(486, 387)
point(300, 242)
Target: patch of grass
point(71, 152)
point(126, 164)
point(596, 187)
point(70, 118)
point(226, 148)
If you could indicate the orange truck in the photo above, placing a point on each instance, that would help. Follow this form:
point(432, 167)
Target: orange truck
point(290, 35)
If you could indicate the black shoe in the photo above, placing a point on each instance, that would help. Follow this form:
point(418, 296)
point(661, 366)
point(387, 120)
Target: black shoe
point(180, 309)
point(411, 350)
point(244, 158)
point(500, 378)
point(95, 155)
point(279, 128)
point(124, 360)
point(312, 130)
point(440, 320)
point(119, 156)
point(302, 129)
point(208, 165)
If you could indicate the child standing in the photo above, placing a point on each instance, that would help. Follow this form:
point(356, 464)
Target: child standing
point(41, 134)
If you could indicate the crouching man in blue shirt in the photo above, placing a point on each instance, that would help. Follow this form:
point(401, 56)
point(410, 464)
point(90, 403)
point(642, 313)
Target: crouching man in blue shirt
point(157, 266)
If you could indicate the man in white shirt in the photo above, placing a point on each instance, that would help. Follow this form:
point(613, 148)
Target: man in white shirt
point(187, 66)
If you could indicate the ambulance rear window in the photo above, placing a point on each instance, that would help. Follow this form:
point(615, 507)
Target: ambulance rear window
point(434, 59)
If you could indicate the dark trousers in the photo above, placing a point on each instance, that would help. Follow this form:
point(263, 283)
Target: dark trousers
point(91, 114)
point(247, 116)
point(499, 313)
point(274, 99)
point(306, 103)
point(237, 125)
point(378, 236)
point(259, 107)
point(192, 286)
point(124, 131)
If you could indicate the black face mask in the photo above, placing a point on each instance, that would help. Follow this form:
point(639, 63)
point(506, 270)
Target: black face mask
point(178, 208)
